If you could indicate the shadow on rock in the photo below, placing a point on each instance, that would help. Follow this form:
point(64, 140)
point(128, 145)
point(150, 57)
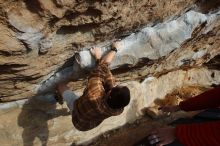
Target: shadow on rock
point(34, 120)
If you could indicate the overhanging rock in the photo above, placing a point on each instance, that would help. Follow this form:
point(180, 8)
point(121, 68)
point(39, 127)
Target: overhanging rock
point(150, 42)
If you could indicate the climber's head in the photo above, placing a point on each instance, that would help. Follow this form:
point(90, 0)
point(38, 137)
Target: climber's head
point(119, 97)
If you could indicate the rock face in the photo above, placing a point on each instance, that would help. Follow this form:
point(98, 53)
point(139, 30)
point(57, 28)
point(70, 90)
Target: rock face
point(166, 46)
point(39, 37)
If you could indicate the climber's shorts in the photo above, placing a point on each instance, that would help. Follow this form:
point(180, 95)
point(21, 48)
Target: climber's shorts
point(70, 97)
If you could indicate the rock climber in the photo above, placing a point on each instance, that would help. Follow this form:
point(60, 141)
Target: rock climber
point(101, 98)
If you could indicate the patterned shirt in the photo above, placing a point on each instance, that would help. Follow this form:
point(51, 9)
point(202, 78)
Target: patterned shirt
point(91, 108)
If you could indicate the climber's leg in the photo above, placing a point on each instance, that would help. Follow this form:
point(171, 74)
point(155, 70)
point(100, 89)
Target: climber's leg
point(70, 97)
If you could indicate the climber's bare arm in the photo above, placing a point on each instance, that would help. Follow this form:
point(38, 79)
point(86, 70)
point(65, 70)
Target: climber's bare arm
point(111, 54)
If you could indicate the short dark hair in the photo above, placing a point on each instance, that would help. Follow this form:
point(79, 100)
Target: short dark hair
point(119, 97)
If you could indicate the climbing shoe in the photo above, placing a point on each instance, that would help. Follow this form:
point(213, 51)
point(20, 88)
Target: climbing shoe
point(58, 98)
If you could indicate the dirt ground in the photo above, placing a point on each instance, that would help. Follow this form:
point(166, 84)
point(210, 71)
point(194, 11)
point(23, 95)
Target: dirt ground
point(37, 123)
point(36, 131)
point(132, 133)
